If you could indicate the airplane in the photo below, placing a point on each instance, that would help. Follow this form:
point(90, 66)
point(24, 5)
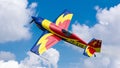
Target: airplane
point(53, 32)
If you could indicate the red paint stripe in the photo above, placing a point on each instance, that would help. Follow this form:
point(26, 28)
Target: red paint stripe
point(91, 50)
point(51, 41)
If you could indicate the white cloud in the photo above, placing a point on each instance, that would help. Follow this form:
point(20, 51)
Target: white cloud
point(52, 56)
point(14, 16)
point(9, 64)
point(33, 5)
point(6, 56)
point(49, 59)
point(31, 61)
point(109, 23)
point(108, 30)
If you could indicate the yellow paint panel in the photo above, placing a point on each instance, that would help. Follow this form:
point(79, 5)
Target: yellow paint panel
point(97, 49)
point(46, 23)
point(62, 18)
point(42, 42)
point(88, 52)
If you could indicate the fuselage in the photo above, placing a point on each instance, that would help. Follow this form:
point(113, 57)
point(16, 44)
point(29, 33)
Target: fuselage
point(53, 32)
point(61, 32)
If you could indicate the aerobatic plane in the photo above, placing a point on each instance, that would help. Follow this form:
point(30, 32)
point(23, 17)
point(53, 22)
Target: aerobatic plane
point(53, 32)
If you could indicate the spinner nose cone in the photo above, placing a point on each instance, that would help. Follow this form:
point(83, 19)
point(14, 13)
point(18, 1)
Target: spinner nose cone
point(34, 18)
point(37, 19)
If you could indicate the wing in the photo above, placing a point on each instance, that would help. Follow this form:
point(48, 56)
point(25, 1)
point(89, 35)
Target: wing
point(64, 20)
point(44, 43)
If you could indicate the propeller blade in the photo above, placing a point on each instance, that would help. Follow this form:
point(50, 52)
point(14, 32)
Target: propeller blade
point(31, 21)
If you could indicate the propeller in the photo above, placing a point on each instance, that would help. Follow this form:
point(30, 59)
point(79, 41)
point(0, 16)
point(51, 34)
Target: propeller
point(36, 15)
point(31, 21)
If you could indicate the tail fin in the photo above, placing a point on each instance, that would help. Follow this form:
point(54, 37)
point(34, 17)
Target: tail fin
point(93, 46)
point(96, 44)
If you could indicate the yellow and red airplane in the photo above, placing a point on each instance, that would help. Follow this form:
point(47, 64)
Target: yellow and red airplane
point(53, 32)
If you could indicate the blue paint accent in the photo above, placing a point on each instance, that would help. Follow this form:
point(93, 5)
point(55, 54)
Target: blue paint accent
point(38, 21)
point(85, 53)
point(34, 49)
point(66, 12)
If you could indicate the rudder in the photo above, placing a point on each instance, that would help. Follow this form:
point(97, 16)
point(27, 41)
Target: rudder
point(96, 44)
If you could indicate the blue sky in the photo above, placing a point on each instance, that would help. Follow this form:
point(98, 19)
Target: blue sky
point(84, 11)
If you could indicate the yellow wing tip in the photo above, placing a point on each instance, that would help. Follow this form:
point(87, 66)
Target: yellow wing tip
point(41, 51)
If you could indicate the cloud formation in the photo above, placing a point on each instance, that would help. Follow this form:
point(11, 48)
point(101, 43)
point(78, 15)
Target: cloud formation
point(14, 16)
point(107, 29)
point(32, 60)
point(6, 56)
point(52, 56)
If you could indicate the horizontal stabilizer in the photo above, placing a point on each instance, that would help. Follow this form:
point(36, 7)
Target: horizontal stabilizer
point(89, 51)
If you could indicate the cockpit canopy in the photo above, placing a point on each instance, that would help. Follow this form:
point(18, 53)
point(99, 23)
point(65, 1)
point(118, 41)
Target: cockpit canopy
point(67, 33)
